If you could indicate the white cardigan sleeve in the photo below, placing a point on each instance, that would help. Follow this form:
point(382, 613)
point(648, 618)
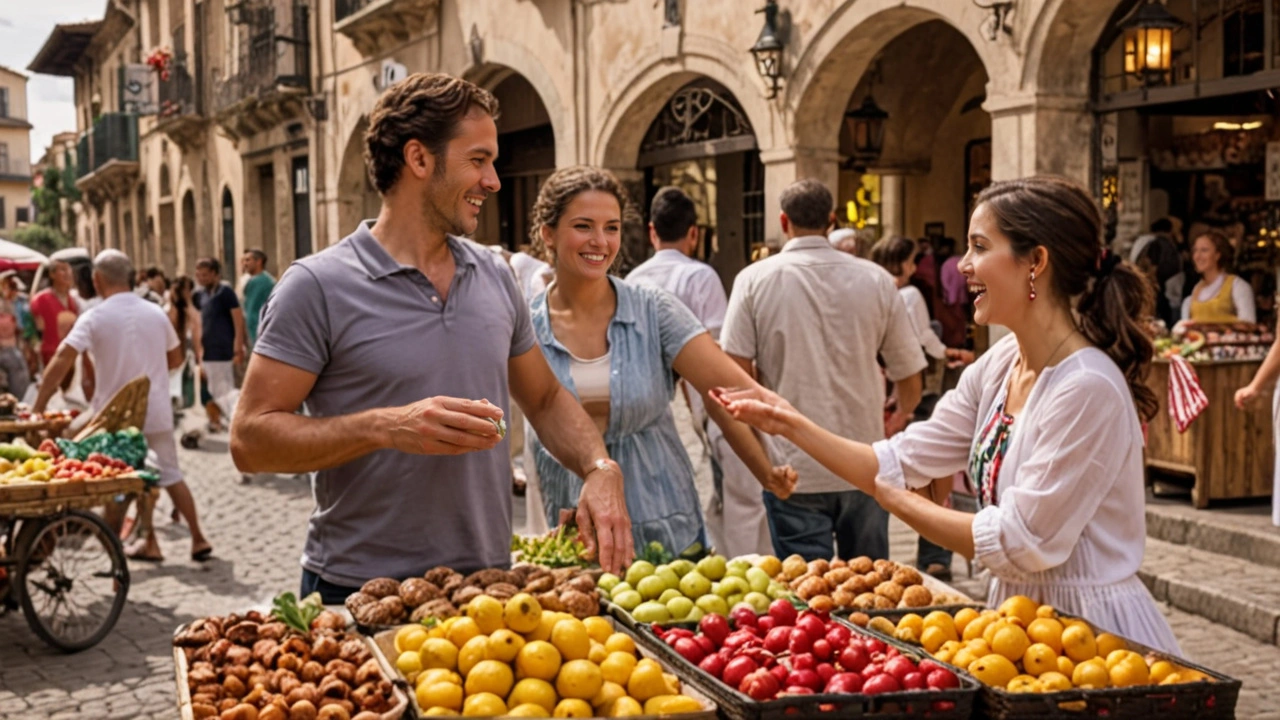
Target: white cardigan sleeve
point(919, 315)
point(1077, 457)
point(939, 446)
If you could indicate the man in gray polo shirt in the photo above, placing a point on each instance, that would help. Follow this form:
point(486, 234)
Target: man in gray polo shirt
point(402, 340)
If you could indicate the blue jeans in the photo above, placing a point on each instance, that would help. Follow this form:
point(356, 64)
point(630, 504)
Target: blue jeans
point(804, 525)
point(331, 594)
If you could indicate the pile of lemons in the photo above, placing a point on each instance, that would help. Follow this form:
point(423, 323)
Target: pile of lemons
point(518, 660)
point(1027, 647)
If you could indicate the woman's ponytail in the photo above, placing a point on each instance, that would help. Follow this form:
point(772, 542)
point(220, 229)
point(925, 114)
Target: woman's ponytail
point(1111, 312)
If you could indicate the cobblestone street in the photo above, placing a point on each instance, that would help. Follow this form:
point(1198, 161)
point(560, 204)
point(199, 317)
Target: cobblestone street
point(257, 531)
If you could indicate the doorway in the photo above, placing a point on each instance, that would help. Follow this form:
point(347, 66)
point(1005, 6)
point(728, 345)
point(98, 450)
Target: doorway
point(301, 207)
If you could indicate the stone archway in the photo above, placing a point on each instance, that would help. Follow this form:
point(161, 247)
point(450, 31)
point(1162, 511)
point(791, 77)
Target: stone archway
point(1065, 30)
point(502, 59)
point(357, 198)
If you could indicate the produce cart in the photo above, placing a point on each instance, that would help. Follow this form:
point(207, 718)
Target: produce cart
point(61, 563)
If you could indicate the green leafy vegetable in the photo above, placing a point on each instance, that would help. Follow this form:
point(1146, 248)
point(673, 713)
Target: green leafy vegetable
point(297, 615)
point(558, 548)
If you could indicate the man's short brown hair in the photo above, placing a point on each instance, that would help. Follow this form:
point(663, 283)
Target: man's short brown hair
point(426, 107)
point(808, 204)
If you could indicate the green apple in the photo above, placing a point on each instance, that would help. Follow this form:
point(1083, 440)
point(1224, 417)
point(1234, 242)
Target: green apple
point(759, 601)
point(681, 567)
point(712, 567)
point(667, 594)
point(628, 600)
point(738, 566)
point(679, 607)
point(651, 587)
point(715, 588)
point(651, 612)
point(668, 576)
point(713, 605)
point(735, 598)
point(777, 590)
point(695, 585)
point(619, 589)
point(608, 582)
point(732, 585)
point(638, 571)
point(758, 579)
point(695, 614)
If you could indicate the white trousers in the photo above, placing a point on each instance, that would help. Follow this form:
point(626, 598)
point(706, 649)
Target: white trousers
point(744, 526)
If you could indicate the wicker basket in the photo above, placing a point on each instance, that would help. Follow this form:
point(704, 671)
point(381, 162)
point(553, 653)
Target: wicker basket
point(127, 408)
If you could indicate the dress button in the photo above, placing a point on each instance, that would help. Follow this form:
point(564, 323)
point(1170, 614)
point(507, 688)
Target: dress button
point(435, 299)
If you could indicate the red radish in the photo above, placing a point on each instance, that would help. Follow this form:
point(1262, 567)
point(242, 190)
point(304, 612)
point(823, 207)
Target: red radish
point(799, 641)
point(913, 681)
point(942, 679)
point(740, 638)
point(873, 645)
point(882, 683)
point(928, 665)
point(690, 650)
point(847, 682)
point(812, 625)
point(777, 640)
point(826, 671)
point(738, 669)
point(766, 623)
point(780, 672)
point(899, 667)
point(743, 615)
point(871, 669)
point(707, 644)
point(713, 666)
point(804, 661)
point(715, 627)
point(760, 685)
point(783, 612)
point(853, 659)
point(838, 636)
point(822, 649)
point(805, 678)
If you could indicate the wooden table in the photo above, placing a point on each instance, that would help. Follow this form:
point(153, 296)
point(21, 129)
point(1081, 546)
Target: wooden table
point(1229, 452)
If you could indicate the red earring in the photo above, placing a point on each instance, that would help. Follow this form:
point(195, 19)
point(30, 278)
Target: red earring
point(1033, 284)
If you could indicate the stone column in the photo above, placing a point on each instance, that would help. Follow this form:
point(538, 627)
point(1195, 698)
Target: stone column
point(893, 205)
point(1037, 134)
point(783, 166)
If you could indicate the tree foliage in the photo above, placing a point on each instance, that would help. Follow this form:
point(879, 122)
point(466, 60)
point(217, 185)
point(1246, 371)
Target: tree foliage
point(41, 238)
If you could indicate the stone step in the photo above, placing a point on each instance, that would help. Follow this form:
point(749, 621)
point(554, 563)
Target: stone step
point(1230, 591)
point(1242, 532)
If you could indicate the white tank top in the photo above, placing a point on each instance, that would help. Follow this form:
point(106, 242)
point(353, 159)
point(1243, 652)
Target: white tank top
point(591, 378)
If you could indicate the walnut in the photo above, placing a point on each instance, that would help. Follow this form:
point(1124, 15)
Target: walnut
point(272, 712)
point(328, 620)
point(234, 687)
point(438, 575)
point(354, 651)
point(906, 576)
point(861, 565)
point(357, 600)
point(303, 710)
point(564, 575)
point(842, 598)
point(891, 590)
point(504, 591)
point(394, 607)
point(200, 710)
point(335, 709)
point(580, 604)
point(363, 715)
point(522, 572)
point(334, 687)
point(243, 633)
point(374, 615)
point(416, 591)
point(835, 576)
point(272, 631)
point(239, 655)
point(550, 600)
point(285, 683)
point(238, 671)
point(438, 608)
point(917, 596)
point(466, 594)
point(213, 691)
point(325, 649)
point(368, 672)
point(342, 670)
point(819, 566)
point(485, 578)
point(200, 632)
point(884, 603)
point(865, 601)
point(305, 691)
point(582, 583)
point(381, 587)
point(540, 584)
point(451, 585)
point(813, 587)
point(311, 671)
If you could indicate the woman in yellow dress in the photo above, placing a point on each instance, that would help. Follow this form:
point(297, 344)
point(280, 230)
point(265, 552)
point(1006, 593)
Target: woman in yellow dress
point(1219, 297)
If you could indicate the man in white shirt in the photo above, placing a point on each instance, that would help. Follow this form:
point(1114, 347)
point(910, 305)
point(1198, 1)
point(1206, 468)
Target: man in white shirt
point(810, 322)
point(128, 337)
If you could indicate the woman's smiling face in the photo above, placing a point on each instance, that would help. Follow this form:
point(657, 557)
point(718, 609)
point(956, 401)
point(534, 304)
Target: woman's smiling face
point(588, 236)
point(999, 281)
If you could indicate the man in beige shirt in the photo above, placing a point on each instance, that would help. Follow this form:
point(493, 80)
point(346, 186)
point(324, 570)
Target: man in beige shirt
point(811, 322)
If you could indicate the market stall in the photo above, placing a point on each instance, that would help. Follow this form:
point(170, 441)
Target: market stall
point(1228, 452)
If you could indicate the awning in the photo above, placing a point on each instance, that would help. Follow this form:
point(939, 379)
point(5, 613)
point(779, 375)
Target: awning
point(64, 48)
point(19, 257)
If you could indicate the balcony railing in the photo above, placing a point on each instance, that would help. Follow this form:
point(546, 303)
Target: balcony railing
point(344, 9)
point(113, 137)
point(178, 94)
point(15, 168)
point(274, 53)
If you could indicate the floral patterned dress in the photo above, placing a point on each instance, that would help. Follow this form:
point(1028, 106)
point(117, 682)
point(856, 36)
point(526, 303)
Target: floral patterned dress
point(988, 454)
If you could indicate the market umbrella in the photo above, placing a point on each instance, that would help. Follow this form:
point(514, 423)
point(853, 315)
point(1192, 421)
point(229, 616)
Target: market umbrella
point(19, 257)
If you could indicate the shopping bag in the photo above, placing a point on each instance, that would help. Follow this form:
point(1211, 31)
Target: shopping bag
point(1186, 398)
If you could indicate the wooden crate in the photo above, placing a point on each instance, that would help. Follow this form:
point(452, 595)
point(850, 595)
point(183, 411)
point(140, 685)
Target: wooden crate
point(31, 499)
point(1229, 452)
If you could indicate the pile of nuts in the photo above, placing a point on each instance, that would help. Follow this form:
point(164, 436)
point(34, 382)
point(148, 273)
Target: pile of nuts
point(442, 591)
point(252, 667)
point(859, 584)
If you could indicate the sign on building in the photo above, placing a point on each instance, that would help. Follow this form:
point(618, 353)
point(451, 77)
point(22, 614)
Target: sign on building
point(138, 90)
point(392, 73)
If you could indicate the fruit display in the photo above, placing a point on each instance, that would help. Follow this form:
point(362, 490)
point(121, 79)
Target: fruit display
point(1025, 647)
point(254, 667)
point(686, 591)
point(514, 658)
point(860, 584)
point(558, 548)
point(20, 464)
point(441, 592)
point(787, 652)
point(1208, 342)
point(128, 445)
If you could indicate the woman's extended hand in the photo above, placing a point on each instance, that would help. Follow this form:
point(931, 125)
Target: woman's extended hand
point(781, 481)
point(763, 409)
point(1246, 395)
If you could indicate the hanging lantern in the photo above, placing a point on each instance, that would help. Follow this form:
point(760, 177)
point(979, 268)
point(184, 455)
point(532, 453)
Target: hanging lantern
point(866, 125)
point(768, 49)
point(1148, 42)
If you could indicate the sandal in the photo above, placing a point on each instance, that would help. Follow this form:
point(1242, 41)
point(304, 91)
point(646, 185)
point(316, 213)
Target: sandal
point(939, 571)
point(202, 555)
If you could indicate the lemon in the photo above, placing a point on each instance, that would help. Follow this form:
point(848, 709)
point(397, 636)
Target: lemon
point(1130, 671)
point(646, 680)
point(462, 631)
point(993, 670)
point(1047, 631)
point(503, 645)
point(1113, 658)
point(522, 613)
point(487, 612)
point(538, 659)
point(609, 692)
point(1066, 665)
point(579, 679)
point(940, 619)
point(933, 639)
point(975, 627)
point(435, 675)
point(542, 631)
point(671, 705)
point(1023, 684)
point(963, 617)
point(617, 667)
point(1160, 670)
point(620, 642)
point(483, 705)
point(528, 710)
point(439, 694)
point(1108, 643)
point(913, 622)
point(409, 664)
point(471, 654)
point(1039, 659)
point(1092, 673)
point(440, 712)
point(571, 638)
point(598, 628)
point(964, 657)
point(573, 708)
point(1078, 643)
point(1010, 641)
point(533, 691)
point(1053, 681)
point(410, 638)
point(439, 653)
point(490, 676)
point(1021, 607)
point(1047, 611)
point(624, 707)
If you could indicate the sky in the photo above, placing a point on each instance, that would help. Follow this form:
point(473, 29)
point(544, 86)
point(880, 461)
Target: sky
point(24, 26)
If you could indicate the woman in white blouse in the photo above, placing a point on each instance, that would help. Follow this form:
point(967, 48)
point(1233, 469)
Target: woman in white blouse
point(897, 255)
point(1047, 422)
point(1219, 297)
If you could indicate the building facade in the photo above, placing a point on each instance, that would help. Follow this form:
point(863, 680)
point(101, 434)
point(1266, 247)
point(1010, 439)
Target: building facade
point(15, 151)
point(267, 152)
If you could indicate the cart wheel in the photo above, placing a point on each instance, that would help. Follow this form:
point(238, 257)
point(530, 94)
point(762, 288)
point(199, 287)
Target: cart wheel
point(73, 580)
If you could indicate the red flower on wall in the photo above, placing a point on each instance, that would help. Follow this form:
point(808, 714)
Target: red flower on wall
point(159, 60)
